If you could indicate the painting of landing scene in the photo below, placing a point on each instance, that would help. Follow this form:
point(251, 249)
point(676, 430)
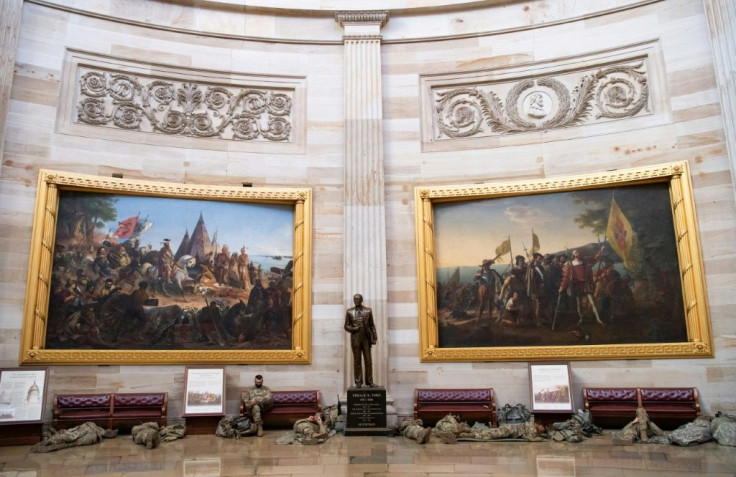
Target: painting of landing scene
point(579, 267)
point(166, 273)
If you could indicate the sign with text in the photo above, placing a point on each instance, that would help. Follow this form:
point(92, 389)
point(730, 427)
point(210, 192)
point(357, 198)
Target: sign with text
point(367, 409)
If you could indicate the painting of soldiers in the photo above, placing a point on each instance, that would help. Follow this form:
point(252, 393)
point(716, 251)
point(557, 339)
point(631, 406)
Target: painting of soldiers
point(580, 267)
point(117, 283)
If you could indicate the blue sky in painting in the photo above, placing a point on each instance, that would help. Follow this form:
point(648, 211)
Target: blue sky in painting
point(261, 228)
point(469, 231)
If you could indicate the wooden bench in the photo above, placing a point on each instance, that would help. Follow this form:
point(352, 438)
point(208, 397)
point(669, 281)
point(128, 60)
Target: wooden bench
point(469, 405)
point(109, 410)
point(666, 407)
point(288, 407)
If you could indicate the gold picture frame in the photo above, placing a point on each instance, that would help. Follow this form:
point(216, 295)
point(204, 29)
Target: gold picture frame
point(654, 299)
point(80, 221)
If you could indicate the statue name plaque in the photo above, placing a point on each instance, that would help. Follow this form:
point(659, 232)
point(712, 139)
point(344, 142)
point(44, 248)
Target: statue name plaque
point(366, 412)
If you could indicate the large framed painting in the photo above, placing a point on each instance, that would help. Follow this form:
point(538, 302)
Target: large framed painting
point(600, 266)
point(128, 271)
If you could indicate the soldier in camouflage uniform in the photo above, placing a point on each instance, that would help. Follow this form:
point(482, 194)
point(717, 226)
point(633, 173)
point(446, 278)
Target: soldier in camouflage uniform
point(414, 429)
point(448, 429)
point(580, 426)
point(526, 431)
point(310, 430)
point(639, 430)
point(258, 401)
point(318, 428)
point(82, 435)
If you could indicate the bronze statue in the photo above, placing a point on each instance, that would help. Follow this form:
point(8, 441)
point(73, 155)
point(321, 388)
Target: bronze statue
point(359, 323)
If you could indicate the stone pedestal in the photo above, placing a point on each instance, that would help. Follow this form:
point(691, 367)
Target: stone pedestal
point(367, 412)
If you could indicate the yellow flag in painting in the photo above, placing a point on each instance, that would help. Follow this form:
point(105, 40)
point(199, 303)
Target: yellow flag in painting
point(620, 235)
point(504, 248)
point(535, 243)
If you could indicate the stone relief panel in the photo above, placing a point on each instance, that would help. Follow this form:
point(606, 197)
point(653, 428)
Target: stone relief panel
point(182, 107)
point(614, 92)
point(170, 102)
point(583, 91)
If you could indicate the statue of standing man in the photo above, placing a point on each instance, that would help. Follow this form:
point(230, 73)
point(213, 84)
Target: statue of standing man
point(359, 323)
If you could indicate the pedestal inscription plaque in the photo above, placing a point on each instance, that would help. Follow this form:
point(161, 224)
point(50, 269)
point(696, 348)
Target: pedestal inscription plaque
point(366, 412)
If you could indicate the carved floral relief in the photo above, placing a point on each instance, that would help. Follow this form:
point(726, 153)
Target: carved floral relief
point(184, 108)
point(548, 102)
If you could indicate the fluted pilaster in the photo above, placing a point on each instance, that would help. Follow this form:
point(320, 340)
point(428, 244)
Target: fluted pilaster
point(365, 214)
point(722, 24)
point(10, 12)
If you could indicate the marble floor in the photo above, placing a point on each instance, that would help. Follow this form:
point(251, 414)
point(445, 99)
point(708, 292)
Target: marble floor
point(207, 455)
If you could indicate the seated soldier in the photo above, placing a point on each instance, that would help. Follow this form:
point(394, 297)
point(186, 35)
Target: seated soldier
point(258, 400)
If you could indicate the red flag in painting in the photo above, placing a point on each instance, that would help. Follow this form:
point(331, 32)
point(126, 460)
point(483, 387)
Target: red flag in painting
point(126, 228)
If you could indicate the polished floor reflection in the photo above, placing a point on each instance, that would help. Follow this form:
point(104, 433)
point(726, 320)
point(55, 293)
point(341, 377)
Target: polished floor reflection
point(204, 456)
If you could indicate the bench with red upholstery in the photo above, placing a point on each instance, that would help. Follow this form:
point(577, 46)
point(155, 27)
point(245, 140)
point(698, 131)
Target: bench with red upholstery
point(74, 409)
point(469, 405)
point(670, 407)
point(288, 407)
point(666, 407)
point(109, 410)
point(137, 408)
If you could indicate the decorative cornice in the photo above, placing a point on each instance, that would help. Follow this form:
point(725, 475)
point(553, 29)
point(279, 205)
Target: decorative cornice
point(365, 16)
point(362, 37)
point(314, 41)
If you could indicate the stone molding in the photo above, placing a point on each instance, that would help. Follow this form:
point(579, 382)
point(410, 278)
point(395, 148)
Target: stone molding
point(132, 98)
point(312, 12)
point(584, 91)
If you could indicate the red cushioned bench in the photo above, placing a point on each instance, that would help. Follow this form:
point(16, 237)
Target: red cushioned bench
point(74, 409)
point(288, 407)
point(666, 407)
point(136, 408)
point(469, 405)
point(670, 407)
point(109, 410)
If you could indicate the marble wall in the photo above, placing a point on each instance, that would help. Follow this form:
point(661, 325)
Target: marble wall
point(419, 44)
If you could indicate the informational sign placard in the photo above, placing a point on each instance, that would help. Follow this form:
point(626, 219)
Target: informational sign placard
point(549, 386)
point(22, 395)
point(205, 391)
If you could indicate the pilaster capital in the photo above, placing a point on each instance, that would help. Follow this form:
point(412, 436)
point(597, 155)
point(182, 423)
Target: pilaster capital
point(362, 24)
